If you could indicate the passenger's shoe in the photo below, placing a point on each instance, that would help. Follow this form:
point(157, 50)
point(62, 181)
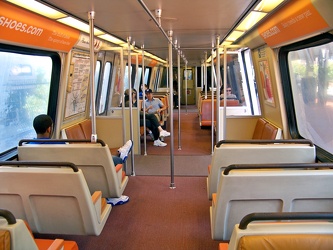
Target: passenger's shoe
point(124, 150)
point(117, 201)
point(158, 143)
point(164, 133)
point(151, 135)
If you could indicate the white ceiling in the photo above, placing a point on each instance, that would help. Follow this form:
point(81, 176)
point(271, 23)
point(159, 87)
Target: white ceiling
point(195, 23)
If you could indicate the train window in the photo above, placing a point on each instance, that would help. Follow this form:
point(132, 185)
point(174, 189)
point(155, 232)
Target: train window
point(138, 78)
point(164, 79)
point(249, 74)
point(240, 77)
point(25, 82)
point(311, 77)
point(126, 80)
point(97, 75)
point(157, 78)
point(104, 90)
point(146, 78)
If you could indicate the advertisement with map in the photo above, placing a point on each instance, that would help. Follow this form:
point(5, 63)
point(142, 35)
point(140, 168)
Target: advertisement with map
point(78, 84)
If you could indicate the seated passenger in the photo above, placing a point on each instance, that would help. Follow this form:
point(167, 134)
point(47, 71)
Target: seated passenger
point(230, 95)
point(43, 126)
point(153, 105)
point(175, 94)
point(143, 89)
point(156, 131)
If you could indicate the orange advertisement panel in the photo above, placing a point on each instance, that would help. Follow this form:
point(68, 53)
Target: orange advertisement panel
point(298, 18)
point(133, 59)
point(152, 63)
point(23, 27)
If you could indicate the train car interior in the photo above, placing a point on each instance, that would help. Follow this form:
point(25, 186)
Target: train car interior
point(154, 124)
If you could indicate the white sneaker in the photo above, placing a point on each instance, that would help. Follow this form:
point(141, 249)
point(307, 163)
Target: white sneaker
point(117, 201)
point(164, 133)
point(124, 150)
point(158, 143)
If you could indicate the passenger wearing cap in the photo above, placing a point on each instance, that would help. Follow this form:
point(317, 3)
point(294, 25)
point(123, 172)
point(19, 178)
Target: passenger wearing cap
point(155, 106)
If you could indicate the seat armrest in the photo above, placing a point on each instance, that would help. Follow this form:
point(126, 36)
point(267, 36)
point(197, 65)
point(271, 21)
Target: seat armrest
point(119, 167)
point(58, 244)
point(97, 200)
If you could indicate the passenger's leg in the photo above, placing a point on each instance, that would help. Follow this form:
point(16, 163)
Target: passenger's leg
point(117, 160)
point(124, 150)
point(152, 118)
point(152, 126)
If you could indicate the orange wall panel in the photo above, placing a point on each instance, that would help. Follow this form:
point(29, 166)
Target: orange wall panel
point(20, 26)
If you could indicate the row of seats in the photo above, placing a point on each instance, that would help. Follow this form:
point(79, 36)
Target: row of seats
point(15, 234)
point(94, 159)
point(205, 110)
point(112, 183)
point(265, 130)
point(252, 188)
point(229, 152)
point(58, 202)
point(301, 230)
point(81, 210)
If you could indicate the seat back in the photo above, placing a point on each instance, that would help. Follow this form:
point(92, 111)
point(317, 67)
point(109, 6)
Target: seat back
point(268, 190)
point(206, 112)
point(15, 234)
point(259, 128)
point(52, 200)
point(73, 132)
point(314, 232)
point(242, 153)
point(94, 159)
point(269, 132)
point(86, 128)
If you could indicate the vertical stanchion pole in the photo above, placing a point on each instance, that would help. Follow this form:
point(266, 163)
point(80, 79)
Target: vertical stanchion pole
point(186, 87)
point(91, 16)
point(172, 183)
point(225, 67)
point(122, 73)
point(202, 76)
point(179, 134)
point(143, 102)
point(205, 75)
point(218, 80)
point(129, 71)
point(212, 96)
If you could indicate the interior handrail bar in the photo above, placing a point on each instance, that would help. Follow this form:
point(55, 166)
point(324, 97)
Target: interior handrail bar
point(255, 141)
point(284, 216)
point(8, 216)
point(40, 164)
point(49, 141)
point(277, 165)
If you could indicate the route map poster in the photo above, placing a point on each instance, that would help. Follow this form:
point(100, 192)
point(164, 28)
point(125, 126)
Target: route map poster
point(78, 84)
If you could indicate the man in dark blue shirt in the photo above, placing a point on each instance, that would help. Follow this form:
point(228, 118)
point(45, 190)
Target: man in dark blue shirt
point(43, 126)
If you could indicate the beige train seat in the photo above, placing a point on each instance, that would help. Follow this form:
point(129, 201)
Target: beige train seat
point(15, 234)
point(283, 231)
point(256, 151)
point(94, 159)
point(52, 197)
point(269, 188)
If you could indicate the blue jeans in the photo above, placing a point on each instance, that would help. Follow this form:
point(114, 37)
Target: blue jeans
point(117, 160)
